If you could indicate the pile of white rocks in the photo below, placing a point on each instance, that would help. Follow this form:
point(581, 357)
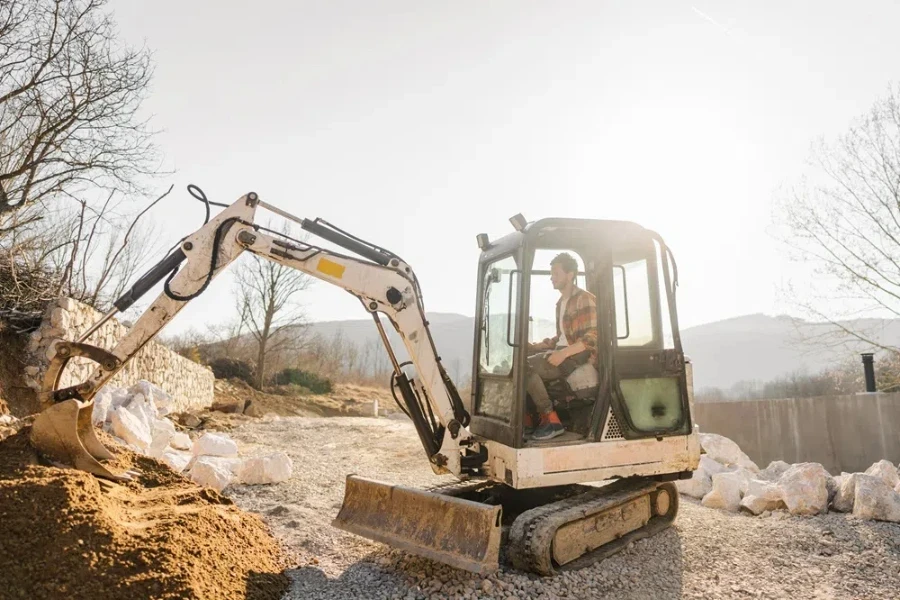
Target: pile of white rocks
point(727, 479)
point(136, 417)
point(8, 426)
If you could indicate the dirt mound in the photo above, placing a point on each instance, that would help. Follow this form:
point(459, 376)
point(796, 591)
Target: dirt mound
point(67, 534)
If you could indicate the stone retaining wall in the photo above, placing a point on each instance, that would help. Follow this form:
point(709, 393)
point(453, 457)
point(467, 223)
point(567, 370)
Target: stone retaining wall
point(189, 384)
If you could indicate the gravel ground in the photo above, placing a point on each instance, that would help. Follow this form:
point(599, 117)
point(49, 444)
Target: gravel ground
point(707, 554)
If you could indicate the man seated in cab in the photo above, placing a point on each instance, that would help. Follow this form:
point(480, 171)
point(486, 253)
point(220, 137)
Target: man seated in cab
point(574, 344)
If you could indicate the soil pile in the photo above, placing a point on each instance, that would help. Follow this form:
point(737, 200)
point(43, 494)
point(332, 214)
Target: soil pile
point(67, 534)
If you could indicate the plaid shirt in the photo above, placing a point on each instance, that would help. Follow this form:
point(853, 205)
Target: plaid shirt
point(579, 321)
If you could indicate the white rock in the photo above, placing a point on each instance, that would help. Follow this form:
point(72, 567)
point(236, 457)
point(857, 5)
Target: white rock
point(153, 393)
point(271, 468)
point(775, 470)
point(697, 486)
point(762, 496)
point(120, 397)
point(839, 480)
point(131, 429)
point(142, 387)
point(7, 419)
point(230, 464)
point(181, 441)
point(145, 404)
point(846, 493)
point(832, 484)
point(875, 500)
point(68, 304)
point(162, 432)
point(711, 466)
point(214, 444)
point(726, 493)
point(805, 489)
point(233, 463)
point(700, 483)
point(140, 412)
point(59, 318)
point(210, 474)
point(745, 476)
point(897, 488)
point(119, 440)
point(175, 459)
point(725, 451)
point(102, 402)
point(886, 471)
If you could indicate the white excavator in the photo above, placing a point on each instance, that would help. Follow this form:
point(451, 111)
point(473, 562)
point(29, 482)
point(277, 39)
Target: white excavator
point(540, 505)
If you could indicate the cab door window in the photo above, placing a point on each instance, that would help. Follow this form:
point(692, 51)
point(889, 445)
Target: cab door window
point(497, 340)
point(634, 303)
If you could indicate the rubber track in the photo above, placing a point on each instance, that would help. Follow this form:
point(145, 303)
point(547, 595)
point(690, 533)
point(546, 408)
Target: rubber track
point(532, 532)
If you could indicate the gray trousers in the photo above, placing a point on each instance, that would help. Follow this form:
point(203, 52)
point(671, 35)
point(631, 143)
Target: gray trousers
point(539, 371)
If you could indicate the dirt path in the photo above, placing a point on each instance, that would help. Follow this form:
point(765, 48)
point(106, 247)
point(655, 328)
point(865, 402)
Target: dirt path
point(708, 554)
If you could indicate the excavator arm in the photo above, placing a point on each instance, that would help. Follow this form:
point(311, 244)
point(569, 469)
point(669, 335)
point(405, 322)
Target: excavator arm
point(384, 284)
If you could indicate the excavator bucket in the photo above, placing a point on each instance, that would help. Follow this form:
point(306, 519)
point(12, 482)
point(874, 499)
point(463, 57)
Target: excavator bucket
point(462, 533)
point(63, 433)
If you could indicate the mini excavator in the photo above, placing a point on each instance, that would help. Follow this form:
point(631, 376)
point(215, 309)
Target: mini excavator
point(544, 506)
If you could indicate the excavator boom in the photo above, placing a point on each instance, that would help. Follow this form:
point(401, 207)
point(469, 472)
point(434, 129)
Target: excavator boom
point(460, 532)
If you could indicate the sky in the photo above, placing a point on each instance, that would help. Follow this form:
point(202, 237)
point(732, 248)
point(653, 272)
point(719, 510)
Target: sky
point(419, 124)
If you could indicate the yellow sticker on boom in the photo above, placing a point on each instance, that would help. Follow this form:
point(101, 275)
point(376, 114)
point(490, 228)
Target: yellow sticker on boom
point(330, 268)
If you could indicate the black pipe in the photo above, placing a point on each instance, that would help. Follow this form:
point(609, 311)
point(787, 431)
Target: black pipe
point(869, 368)
point(345, 241)
point(426, 435)
point(149, 279)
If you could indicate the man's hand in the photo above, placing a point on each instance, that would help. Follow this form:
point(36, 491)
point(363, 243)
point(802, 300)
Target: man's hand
point(557, 358)
point(537, 347)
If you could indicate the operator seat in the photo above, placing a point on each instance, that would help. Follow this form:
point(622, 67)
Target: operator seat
point(573, 397)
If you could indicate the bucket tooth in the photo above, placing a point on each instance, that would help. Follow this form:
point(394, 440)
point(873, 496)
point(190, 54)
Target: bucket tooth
point(462, 533)
point(64, 434)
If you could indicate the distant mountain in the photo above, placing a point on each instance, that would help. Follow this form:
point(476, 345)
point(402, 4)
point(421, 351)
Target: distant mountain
point(763, 348)
point(747, 348)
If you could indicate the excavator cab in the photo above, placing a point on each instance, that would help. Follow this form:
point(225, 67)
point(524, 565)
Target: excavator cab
point(638, 386)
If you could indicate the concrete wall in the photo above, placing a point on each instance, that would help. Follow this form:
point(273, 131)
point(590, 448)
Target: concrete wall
point(844, 433)
point(189, 384)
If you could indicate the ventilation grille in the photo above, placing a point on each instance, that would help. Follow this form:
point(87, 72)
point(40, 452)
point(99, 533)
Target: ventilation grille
point(612, 431)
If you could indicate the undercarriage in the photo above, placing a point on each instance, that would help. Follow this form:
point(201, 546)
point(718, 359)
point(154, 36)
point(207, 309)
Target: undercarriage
point(542, 530)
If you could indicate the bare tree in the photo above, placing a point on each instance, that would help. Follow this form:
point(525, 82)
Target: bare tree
point(267, 301)
point(70, 93)
point(89, 253)
point(106, 249)
point(843, 218)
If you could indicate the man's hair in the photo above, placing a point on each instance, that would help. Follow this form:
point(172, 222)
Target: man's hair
point(566, 261)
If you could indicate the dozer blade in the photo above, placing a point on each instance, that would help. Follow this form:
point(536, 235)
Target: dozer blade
point(64, 433)
point(461, 533)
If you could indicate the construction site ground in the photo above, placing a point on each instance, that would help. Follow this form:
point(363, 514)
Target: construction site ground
point(707, 554)
point(163, 537)
point(345, 400)
point(237, 403)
